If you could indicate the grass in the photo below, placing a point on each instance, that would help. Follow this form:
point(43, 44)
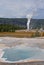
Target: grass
point(21, 34)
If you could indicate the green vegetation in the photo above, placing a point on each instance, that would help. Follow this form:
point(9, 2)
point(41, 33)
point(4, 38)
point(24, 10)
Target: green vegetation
point(9, 28)
point(37, 24)
point(12, 24)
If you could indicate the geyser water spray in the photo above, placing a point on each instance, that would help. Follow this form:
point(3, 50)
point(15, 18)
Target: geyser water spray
point(29, 18)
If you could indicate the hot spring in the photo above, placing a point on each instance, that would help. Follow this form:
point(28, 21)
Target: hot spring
point(21, 49)
point(23, 53)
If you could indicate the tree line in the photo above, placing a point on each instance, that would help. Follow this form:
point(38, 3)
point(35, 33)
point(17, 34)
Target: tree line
point(12, 24)
point(10, 28)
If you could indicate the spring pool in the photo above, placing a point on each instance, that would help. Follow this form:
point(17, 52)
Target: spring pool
point(21, 53)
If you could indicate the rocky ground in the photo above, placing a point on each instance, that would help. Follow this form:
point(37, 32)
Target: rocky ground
point(11, 41)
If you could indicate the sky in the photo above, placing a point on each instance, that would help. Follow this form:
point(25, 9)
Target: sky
point(21, 8)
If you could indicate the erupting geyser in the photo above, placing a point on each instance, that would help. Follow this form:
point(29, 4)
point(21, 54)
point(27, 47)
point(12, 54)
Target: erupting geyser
point(29, 18)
